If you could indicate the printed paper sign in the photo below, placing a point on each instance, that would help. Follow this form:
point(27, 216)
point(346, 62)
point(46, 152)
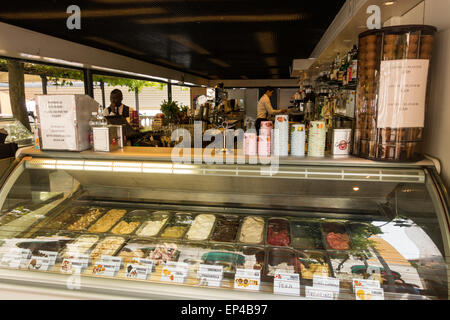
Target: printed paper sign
point(175, 272)
point(247, 279)
point(209, 275)
point(314, 293)
point(84, 259)
point(370, 284)
point(362, 293)
point(326, 283)
point(286, 283)
point(401, 102)
point(57, 122)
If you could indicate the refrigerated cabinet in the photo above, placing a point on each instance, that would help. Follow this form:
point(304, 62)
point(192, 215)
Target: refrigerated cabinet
point(343, 217)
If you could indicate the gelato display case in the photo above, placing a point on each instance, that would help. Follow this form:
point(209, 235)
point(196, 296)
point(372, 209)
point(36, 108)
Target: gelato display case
point(133, 224)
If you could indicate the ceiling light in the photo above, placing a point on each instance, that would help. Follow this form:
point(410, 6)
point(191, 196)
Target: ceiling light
point(388, 3)
point(355, 188)
point(223, 18)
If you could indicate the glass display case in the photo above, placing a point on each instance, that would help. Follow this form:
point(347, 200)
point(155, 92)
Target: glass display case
point(16, 132)
point(133, 224)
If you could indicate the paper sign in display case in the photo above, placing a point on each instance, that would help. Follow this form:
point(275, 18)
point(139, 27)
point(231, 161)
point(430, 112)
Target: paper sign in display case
point(133, 223)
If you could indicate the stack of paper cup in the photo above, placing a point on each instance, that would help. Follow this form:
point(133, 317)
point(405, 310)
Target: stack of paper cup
point(265, 138)
point(316, 139)
point(281, 135)
point(250, 143)
point(298, 140)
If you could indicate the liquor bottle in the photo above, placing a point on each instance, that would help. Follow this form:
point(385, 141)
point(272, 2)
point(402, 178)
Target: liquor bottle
point(354, 63)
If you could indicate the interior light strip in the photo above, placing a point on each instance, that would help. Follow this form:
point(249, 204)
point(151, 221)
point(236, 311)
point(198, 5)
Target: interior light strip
point(413, 175)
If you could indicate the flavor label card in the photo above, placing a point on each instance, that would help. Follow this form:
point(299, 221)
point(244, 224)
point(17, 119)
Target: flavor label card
point(104, 269)
point(84, 259)
point(326, 283)
point(362, 293)
point(139, 268)
point(51, 255)
point(286, 283)
point(16, 258)
point(209, 275)
point(315, 293)
point(72, 266)
point(369, 284)
point(247, 279)
point(116, 261)
point(175, 272)
point(39, 263)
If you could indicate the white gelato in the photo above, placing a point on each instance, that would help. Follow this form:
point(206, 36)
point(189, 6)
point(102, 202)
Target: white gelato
point(201, 227)
point(252, 230)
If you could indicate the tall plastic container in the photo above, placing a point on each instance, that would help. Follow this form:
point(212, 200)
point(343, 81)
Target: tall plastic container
point(391, 93)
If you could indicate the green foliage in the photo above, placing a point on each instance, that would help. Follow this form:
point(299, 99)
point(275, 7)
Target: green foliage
point(64, 77)
point(170, 109)
point(130, 83)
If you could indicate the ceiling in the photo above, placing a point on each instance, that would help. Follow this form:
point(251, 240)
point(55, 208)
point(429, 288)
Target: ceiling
point(215, 39)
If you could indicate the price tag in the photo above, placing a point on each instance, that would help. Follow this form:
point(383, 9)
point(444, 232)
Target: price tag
point(314, 293)
point(16, 258)
point(39, 263)
point(286, 283)
point(247, 279)
point(369, 284)
point(116, 261)
point(175, 272)
point(209, 275)
point(104, 269)
point(363, 293)
point(326, 283)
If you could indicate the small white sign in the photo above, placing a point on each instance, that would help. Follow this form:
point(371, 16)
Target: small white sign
point(116, 261)
point(209, 275)
point(16, 258)
point(370, 284)
point(314, 293)
point(84, 259)
point(286, 283)
point(363, 293)
point(52, 255)
point(326, 283)
point(39, 263)
point(175, 272)
point(104, 269)
point(247, 279)
point(137, 271)
point(72, 266)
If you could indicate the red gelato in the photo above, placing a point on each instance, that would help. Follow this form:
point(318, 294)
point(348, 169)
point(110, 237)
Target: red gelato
point(278, 233)
point(338, 241)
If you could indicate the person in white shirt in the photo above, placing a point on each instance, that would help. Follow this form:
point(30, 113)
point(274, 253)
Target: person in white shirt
point(265, 107)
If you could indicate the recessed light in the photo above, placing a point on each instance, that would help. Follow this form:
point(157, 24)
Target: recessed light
point(389, 3)
point(347, 40)
point(355, 188)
